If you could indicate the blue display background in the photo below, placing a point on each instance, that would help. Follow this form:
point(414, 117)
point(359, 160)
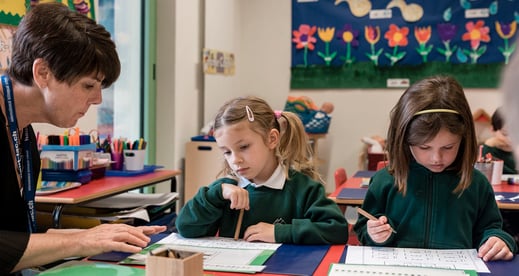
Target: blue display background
point(325, 13)
point(309, 69)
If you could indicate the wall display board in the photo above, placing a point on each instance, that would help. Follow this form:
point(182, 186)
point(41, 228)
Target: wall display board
point(391, 43)
point(12, 11)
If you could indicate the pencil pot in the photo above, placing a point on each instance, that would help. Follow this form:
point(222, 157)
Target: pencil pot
point(485, 168)
point(497, 172)
point(117, 160)
point(134, 160)
point(175, 262)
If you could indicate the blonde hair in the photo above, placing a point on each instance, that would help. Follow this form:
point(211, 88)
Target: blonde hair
point(293, 150)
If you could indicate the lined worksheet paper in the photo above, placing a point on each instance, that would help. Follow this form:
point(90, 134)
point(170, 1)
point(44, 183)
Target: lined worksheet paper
point(220, 254)
point(367, 270)
point(436, 258)
point(218, 242)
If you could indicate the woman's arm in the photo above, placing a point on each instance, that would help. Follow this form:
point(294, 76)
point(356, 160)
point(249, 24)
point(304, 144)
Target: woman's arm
point(56, 244)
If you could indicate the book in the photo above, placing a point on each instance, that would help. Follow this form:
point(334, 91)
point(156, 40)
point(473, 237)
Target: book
point(352, 193)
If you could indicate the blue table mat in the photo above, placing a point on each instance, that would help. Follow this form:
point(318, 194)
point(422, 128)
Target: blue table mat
point(147, 169)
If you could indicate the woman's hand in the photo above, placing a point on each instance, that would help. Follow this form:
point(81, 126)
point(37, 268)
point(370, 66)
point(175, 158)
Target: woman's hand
point(495, 249)
point(114, 237)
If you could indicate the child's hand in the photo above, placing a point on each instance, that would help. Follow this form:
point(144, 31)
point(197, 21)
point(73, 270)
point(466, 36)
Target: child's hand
point(379, 230)
point(260, 232)
point(239, 197)
point(494, 249)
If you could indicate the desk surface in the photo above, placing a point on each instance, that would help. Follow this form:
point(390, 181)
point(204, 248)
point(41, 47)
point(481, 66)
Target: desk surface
point(106, 186)
point(337, 254)
point(355, 181)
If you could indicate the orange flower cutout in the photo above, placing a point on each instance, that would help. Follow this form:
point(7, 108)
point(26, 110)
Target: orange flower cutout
point(397, 36)
point(476, 33)
point(422, 34)
point(304, 37)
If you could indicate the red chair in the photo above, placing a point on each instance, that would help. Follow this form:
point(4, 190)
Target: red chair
point(340, 177)
point(382, 164)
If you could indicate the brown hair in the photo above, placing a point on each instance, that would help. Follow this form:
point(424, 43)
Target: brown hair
point(72, 44)
point(293, 151)
point(408, 128)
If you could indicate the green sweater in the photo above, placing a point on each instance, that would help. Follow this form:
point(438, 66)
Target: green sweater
point(506, 156)
point(430, 215)
point(301, 213)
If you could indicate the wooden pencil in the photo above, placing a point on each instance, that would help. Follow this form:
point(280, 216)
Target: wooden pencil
point(370, 216)
point(238, 225)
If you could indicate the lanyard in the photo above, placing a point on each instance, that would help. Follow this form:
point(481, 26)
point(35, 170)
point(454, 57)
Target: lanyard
point(29, 191)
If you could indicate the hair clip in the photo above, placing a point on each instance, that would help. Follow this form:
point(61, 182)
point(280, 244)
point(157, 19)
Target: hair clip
point(278, 113)
point(250, 114)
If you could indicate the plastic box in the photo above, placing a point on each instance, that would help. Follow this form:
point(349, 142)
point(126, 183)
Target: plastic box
point(75, 158)
point(67, 163)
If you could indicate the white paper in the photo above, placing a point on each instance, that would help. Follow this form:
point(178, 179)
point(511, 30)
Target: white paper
point(139, 213)
point(435, 258)
point(221, 242)
point(132, 200)
point(363, 270)
point(220, 254)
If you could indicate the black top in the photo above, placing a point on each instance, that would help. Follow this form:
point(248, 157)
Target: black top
point(14, 235)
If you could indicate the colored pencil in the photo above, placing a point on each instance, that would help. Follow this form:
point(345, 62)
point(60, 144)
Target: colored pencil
point(238, 225)
point(370, 216)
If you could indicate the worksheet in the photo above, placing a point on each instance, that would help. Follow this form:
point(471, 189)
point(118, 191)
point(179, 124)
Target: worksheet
point(462, 259)
point(366, 270)
point(220, 254)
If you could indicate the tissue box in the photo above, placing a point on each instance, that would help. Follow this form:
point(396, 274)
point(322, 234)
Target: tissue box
point(75, 158)
point(174, 262)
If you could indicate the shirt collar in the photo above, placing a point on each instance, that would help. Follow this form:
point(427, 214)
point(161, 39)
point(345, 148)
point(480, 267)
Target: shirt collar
point(276, 180)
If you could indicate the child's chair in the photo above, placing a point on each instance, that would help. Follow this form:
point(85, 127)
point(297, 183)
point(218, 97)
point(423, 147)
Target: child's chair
point(382, 164)
point(340, 178)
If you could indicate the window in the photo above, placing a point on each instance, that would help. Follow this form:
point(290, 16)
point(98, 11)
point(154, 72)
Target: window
point(120, 114)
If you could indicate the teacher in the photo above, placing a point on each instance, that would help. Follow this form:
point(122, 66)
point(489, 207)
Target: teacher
point(60, 62)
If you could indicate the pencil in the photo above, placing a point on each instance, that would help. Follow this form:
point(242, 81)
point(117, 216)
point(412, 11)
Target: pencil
point(370, 216)
point(238, 225)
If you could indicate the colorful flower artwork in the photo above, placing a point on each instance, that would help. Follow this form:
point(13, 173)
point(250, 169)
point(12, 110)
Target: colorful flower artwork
point(378, 38)
point(12, 11)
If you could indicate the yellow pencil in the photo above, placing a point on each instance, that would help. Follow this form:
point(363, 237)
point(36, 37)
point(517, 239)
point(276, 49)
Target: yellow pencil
point(370, 216)
point(238, 225)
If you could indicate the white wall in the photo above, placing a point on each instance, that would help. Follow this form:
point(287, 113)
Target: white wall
point(258, 32)
point(178, 71)
point(222, 31)
point(85, 124)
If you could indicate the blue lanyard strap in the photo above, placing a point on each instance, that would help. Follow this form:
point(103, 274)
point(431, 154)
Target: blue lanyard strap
point(29, 189)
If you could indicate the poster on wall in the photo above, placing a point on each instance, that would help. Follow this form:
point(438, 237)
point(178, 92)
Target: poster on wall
point(12, 11)
point(392, 43)
point(6, 34)
point(218, 62)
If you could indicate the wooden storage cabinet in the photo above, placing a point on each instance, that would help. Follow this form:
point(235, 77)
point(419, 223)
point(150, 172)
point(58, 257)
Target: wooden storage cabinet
point(203, 162)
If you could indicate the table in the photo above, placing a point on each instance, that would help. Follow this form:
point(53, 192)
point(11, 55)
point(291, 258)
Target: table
point(355, 181)
point(104, 187)
point(337, 254)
